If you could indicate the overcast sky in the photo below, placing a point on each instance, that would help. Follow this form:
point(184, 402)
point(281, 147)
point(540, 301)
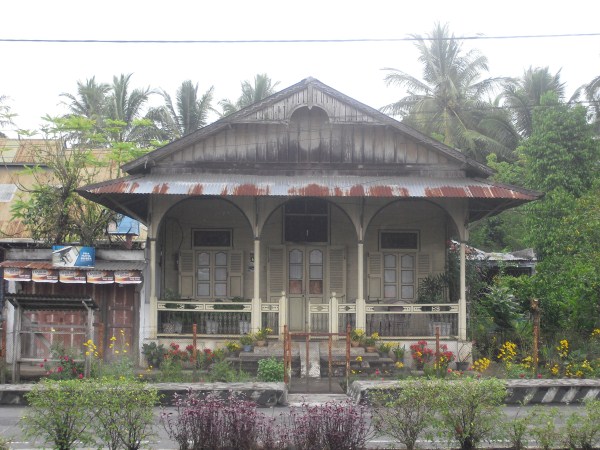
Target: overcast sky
point(33, 75)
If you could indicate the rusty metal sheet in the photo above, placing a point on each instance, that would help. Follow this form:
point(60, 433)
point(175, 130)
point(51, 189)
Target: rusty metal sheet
point(309, 186)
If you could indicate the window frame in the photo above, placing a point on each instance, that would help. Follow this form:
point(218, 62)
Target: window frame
point(212, 247)
point(417, 248)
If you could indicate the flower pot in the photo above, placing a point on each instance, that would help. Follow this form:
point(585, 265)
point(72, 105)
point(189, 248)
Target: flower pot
point(419, 365)
point(260, 343)
point(355, 343)
point(370, 349)
point(247, 348)
point(384, 354)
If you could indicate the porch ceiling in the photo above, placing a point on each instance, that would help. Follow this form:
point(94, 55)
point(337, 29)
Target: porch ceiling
point(130, 195)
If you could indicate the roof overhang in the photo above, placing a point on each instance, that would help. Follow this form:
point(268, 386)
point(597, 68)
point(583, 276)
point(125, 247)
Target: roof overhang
point(130, 195)
point(33, 302)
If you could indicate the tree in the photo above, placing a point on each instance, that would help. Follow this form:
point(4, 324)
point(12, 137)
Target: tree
point(5, 115)
point(49, 206)
point(189, 114)
point(125, 111)
point(251, 93)
point(450, 103)
point(591, 93)
point(522, 95)
point(91, 100)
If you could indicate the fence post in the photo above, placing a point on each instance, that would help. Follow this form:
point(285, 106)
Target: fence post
point(535, 309)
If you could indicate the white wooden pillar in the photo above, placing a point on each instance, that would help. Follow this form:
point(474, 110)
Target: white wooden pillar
point(462, 302)
point(153, 322)
point(333, 315)
point(255, 323)
point(283, 314)
point(361, 319)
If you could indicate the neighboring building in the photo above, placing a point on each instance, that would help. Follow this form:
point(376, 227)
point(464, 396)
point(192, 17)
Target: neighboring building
point(316, 209)
point(114, 282)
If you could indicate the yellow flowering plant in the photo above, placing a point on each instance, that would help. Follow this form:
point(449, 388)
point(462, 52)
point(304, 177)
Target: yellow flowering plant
point(371, 341)
point(357, 335)
point(263, 333)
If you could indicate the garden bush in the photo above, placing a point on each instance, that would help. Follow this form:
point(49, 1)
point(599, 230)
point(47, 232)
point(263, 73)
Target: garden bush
point(213, 423)
point(470, 409)
point(406, 412)
point(270, 369)
point(329, 426)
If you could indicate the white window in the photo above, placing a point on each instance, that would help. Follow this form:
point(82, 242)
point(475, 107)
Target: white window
point(211, 274)
point(399, 276)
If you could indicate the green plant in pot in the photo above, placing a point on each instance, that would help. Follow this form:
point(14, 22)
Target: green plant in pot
point(154, 354)
point(384, 349)
point(247, 341)
point(370, 342)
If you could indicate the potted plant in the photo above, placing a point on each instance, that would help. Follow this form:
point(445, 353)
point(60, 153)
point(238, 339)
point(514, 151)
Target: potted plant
point(233, 348)
point(261, 336)
point(357, 336)
point(154, 354)
point(463, 358)
point(384, 349)
point(246, 341)
point(398, 353)
point(421, 354)
point(370, 342)
point(173, 322)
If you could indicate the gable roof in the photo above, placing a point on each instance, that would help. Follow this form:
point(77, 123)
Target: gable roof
point(253, 114)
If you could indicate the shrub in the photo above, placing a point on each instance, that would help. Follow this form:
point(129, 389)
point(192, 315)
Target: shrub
point(582, 430)
point(123, 412)
point(470, 409)
point(59, 413)
point(63, 365)
point(210, 422)
point(154, 353)
point(515, 429)
point(270, 369)
point(543, 428)
point(329, 426)
point(406, 412)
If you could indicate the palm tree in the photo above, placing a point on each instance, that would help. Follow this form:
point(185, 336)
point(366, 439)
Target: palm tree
point(90, 100)
point(125, 108)
point(591, 93)
point(450, 103)
point(522, 95)
point(251, 93)
point(189, 114)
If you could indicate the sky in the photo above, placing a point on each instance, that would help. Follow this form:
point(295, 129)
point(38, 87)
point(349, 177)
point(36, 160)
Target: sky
point(33, 75)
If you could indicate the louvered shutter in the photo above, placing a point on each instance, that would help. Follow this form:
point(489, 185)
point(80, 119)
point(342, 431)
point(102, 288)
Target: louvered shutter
point(375, 275)
point(336, 269)
point(276, 271)
point(186, 274)
point(423, 266)
point(235, 274)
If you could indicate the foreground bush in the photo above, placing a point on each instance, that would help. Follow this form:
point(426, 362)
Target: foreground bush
point(470, 409)
point(117, 413)
point(406, 412)
point(59, 413)
point(213, 423)
point(331, 426)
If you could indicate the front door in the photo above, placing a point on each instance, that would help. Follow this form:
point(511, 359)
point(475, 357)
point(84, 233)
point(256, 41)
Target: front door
point(305, 286)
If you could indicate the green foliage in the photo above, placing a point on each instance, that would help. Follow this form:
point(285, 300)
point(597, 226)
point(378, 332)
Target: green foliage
point(582, 431)
point(515, 429)
point(543, 426)
point(470, 410)
point(270, 369)
point(406, 412)
point(59, 413)
point(223, 372)
point(123, 412)
point(154, 353)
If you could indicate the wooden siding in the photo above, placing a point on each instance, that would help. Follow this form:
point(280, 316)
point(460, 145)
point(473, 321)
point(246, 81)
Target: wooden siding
point(309, 127)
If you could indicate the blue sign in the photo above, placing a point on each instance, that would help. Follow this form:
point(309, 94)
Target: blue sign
point(73, 256)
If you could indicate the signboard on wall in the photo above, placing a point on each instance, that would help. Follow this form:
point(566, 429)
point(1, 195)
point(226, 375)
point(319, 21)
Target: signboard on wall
point(17, 274)
point(100, 277)
point(128, 277)
point(44, 276)
point(73, 256)
point(72, 276)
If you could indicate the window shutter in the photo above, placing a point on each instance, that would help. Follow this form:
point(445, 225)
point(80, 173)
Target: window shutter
point(235, 275)
point(337, 271)
point(186, 274)
point(423, 266)
point(276, 271)
point(375, 275)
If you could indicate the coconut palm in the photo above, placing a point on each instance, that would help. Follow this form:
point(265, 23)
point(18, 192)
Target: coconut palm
point(125, 107)
point(591, 93)
point(251, 93)
point(522, 95)
point(189, 114)
point(90, 100)
point(451, 101)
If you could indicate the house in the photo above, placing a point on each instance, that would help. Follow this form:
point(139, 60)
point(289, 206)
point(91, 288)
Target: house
point(307, 209)
point(113, 282)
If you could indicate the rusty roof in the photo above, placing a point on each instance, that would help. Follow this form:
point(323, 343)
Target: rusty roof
point(308, 186)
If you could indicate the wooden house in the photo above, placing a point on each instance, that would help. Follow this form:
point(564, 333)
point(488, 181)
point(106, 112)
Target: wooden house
point(307, 209)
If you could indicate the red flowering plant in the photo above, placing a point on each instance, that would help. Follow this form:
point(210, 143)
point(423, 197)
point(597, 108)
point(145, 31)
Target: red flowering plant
point(62, 365)
point(176, 355)
point(421, 353)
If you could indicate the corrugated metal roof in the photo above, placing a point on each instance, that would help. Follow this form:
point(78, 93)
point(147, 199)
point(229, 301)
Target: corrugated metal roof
point(100, 265)
point(309, 186)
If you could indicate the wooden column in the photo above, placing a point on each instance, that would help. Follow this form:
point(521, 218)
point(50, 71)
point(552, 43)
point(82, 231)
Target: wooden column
point(462, 301)
point(255, 321)
point(361, 319)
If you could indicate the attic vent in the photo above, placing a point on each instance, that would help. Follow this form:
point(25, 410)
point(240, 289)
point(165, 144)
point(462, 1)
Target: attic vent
point(7, 192)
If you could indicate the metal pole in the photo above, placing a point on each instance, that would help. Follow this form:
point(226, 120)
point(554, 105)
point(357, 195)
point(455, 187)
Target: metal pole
point(329, 359)
point(194, 355)
point(348, 330)
point(535, 309)
point(307, 360)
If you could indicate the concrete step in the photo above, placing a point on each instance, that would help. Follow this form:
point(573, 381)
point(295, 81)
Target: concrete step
point(298, 400)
